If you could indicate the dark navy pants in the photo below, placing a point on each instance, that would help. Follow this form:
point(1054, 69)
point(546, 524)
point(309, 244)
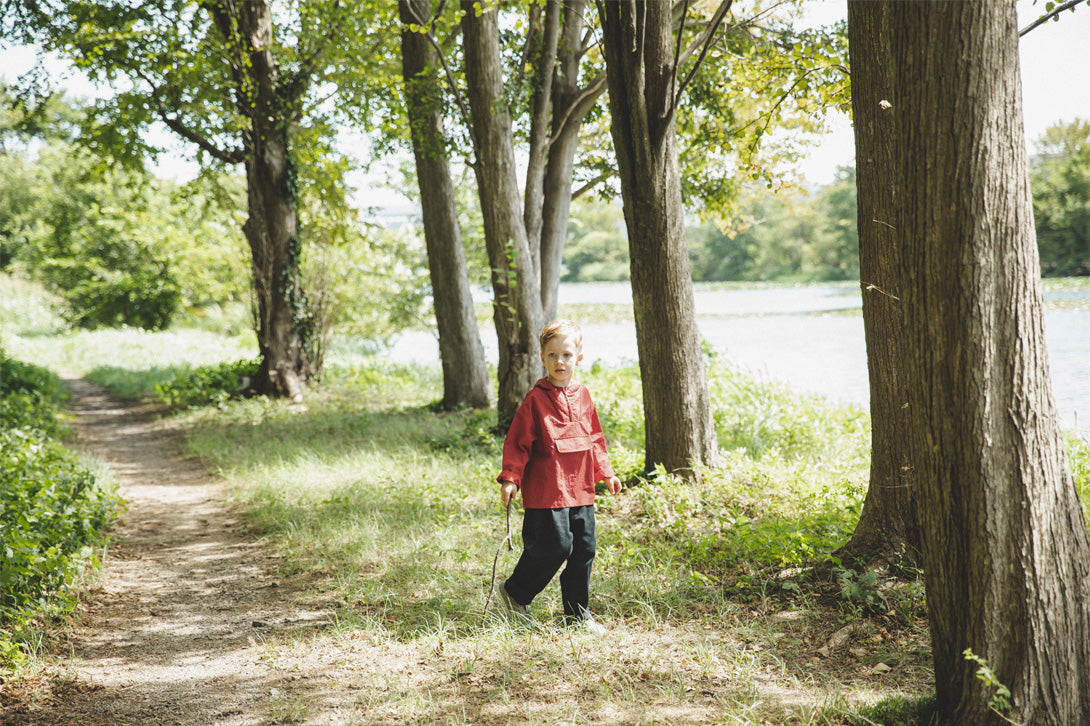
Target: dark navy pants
point(552, 538)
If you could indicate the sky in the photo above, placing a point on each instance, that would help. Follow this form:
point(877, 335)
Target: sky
point(1055, 61)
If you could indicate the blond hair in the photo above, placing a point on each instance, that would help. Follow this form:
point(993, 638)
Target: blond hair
point(562, 328)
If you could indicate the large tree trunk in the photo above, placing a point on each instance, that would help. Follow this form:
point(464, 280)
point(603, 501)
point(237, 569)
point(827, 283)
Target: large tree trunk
point(639, 52)
point(465, 373)
point(1004, 542)
point(282, 320)
point(515, 277)
point(887, 528)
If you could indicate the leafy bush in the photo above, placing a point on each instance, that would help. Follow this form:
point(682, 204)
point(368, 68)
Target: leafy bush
point(114, 282)
point(52, 510)
point(52, 516)
point(209, 385)
point(28, 397)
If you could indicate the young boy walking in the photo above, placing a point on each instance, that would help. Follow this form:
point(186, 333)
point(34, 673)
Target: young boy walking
point(554, 454)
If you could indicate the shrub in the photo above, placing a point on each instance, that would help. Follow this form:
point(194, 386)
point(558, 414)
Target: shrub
point(209, 385)
point(52, 516)
point(28, 397)
point(52, 510)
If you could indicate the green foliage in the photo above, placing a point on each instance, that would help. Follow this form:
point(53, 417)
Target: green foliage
point(53, 512)
point(26, 308)
point(789, 492)
point(30, 396)
point(783, 235)
point(211, 385)
point(861, 588)
point(751, 107)
point(597, 248)
point(120, 247)
point(1060, 180)
point(1001, 699)
point(1078, 458)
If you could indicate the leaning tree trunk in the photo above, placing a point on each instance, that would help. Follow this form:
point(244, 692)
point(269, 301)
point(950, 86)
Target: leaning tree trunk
point(282, 320)
point(1004, 541)
point(639, 52)
point(515, 277)
point(888, 528)
point(465, 373)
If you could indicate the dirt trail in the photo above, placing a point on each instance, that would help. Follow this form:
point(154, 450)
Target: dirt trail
point(173, 634)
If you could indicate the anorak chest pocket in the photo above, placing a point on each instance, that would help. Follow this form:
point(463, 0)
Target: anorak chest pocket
point(570, 438)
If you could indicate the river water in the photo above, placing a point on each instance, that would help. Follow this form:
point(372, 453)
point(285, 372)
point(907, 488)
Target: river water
point(809, 337)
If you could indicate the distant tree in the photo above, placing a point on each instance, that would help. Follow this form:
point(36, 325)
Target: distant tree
point(597, 250)
point(461, 354)
point(238, 81)
point(1060, 180)
point(836, 253)
point(1005, 549)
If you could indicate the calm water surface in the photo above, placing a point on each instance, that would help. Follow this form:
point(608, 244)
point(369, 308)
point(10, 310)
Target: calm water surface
point(810, 337)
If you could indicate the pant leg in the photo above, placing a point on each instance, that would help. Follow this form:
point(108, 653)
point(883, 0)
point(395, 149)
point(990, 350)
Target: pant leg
point(575, 580)
point(546, 545)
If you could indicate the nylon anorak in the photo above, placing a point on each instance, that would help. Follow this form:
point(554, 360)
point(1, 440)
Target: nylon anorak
point(555, 451)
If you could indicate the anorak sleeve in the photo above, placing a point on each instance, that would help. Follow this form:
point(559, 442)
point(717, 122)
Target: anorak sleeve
point(602, 468)
point(519, 443)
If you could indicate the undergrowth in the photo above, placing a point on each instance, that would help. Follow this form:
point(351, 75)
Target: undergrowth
point(53, 510)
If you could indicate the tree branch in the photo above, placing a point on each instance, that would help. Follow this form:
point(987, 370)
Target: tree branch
point(704, 40)
point(580, 104)
point(228, 156)
point(1049, 16)
point(298, 82)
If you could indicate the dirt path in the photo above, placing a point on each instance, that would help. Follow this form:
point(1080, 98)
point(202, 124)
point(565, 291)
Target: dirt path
point(173, 635)
point(189, 627)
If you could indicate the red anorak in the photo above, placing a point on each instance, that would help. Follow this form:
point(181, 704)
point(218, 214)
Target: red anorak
point(555, 451)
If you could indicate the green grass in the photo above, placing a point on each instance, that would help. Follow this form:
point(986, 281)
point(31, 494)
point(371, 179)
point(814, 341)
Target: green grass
point(391, 513)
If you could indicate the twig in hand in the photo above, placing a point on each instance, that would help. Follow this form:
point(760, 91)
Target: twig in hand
point(496, 559)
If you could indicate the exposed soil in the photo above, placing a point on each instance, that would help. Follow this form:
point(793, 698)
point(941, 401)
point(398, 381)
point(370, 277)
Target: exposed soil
point(172, 634)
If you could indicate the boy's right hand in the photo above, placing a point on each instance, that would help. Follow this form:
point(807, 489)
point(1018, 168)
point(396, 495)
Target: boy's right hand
point(507, 490)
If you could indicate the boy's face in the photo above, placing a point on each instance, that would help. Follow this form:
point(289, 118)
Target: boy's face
point(560, 357)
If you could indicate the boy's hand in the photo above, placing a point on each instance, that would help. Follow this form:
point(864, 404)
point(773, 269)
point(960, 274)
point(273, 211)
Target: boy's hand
point(507, 490)
point(614, 485)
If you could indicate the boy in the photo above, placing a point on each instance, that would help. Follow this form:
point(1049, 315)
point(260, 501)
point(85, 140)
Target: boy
point(554, 454)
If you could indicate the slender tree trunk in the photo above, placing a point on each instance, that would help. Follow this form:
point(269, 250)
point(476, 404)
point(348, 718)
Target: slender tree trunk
point(542, 42)
point(282, 320)
point(570, 106)
point(639, 52)
point(1004, 542)
point(887, 528)
point(515, 279)
point(465, 373)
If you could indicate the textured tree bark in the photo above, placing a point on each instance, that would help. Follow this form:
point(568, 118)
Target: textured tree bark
point(515, 278)
point(282, 320)
point(887, 528)
point(639, 51)
point(1004, 542)
point(465, 373)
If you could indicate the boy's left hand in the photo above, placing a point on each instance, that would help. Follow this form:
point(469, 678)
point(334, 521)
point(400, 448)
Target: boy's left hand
point(614, 485)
